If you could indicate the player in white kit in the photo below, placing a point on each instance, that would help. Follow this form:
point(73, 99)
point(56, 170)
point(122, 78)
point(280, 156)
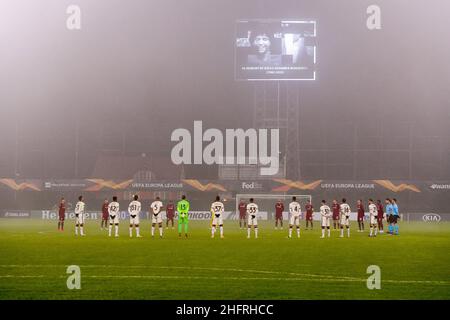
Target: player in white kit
point(252, 214)
point(344, 211)
point(156, 207)
point(217, 209)
point(134, 209)
point(373, 213)
point(113, 211)
point(325, 213)
point(79, 216)
point(295, 212)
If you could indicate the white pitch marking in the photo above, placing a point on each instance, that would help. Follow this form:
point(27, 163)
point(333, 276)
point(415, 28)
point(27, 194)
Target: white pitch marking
point(299, 276)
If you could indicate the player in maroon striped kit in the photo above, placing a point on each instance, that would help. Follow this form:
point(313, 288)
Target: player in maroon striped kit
point(61, 214)
point(105, 215)
point(242, 214)
point(380, 216)
point(309, 214)
point(170, 213)
point(279, 208)
point(360, 210)
point(336, 213)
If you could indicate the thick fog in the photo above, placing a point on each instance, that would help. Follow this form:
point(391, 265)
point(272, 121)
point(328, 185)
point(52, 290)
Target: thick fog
point(137, 70)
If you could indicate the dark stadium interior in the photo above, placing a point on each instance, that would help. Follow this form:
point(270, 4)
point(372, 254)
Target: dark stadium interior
point(102, 102)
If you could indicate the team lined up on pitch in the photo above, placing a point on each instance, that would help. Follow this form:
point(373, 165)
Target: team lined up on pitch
point(248, 216)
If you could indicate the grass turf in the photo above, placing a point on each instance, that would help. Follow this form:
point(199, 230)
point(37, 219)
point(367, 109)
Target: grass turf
point(34, 257)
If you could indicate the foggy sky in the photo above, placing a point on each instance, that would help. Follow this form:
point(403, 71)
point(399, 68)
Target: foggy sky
point(145, 68)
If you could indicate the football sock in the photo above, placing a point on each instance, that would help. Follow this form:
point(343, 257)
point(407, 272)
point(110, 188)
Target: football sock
point(221, 231)
point(348, 232)
point(213, 230)
point(153, 231)
point(298, 232)
point(371, 231)
point(180, 226)
point(131, 231)
point(137, 231)
point(160, 231)
point(109, 230)
point(117, 230)
point(81, 231)
point(76, 231)
point(248, 232)
point(256, 233)
point(323, 232)
point(186, 227)
point(396, 228)
point(329, 232)
point(290, 232)
point(376, 231)
point(342, 232)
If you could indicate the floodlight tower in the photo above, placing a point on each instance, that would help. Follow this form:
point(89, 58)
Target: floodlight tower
point(277, 105)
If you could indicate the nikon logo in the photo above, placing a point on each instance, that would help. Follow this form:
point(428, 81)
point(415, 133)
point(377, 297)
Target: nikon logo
point(431, 217)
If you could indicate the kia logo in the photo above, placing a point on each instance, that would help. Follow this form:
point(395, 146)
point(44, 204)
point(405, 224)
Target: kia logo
point(431, 217)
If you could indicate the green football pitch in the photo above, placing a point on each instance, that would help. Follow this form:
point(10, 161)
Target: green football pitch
point(34, 258)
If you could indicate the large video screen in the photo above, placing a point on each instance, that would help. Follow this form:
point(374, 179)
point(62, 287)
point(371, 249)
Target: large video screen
point(275, 50)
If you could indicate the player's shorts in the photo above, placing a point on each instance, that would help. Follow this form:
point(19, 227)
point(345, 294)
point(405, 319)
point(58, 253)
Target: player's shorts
point(217, 220)
point(242, 216)
point(105, 216)
point(252, 221)
point(294, 219)
point(79, 219)
point(114, 219)
point(373, 219)
point(325, 222)
point(279, 216)
point(62, 217)
point(170, 217)
point(379, 219)
point(157, 218)
point(394, 218)
point(335, 217)
point(134, 220)
point(309, 217)
point(183, 219)
point(345, 221)
point(360, 218)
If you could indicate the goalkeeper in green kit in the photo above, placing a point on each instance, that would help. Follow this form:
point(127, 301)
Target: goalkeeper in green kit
point(183, 215)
